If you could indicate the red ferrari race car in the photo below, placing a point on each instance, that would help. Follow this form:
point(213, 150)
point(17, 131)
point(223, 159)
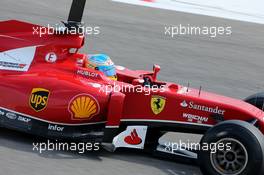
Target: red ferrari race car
point(49, 89)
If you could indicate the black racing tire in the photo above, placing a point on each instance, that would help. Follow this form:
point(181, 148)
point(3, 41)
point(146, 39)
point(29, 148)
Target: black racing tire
point(246, 156)
point(256, 100)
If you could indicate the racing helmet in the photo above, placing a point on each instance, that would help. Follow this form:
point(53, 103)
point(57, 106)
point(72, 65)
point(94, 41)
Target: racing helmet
point(103, 63)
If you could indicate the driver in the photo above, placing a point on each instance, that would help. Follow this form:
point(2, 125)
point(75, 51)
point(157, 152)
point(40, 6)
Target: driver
point(103, 63)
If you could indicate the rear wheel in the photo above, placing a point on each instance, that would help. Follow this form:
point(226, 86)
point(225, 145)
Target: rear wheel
point(237, 148)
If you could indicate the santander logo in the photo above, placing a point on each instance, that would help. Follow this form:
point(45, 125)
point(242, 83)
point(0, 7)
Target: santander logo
point(133, 138)
point(184, 104)
point(192, 105)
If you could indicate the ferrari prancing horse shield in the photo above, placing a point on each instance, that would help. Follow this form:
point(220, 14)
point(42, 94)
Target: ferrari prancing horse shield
point(157, 104)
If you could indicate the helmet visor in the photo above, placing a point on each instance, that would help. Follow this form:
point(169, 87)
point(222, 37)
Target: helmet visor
point(108, 70)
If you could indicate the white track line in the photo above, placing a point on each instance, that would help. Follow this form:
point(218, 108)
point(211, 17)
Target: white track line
point(242, 10)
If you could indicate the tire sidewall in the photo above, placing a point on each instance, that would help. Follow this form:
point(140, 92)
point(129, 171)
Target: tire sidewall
point(247, 135)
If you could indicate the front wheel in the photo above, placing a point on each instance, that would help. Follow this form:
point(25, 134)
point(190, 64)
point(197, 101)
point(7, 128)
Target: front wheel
point(236, 148)
point(256, 100)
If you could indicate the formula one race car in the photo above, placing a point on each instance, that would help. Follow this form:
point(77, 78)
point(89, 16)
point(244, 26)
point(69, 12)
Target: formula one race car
point(46, 90)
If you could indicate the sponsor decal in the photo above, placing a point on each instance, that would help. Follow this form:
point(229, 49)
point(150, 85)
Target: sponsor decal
point(39, 99)
point(11, 116)
point(195, 118)
point(23, 119)
point(192, 105)
point(14, 116)
point(55, 128)
point(51, 57)
point(83, 107)
point(80, 62)
point(87, 73)
point(17, 59)
point(133, 138)
point(12, 65)
point(157, 104)
point(184, 104)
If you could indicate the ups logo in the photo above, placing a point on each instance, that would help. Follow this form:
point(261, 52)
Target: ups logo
point(39, 99)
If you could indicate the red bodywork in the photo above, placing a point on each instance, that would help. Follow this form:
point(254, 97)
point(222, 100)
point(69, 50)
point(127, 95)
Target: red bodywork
point(66, 79)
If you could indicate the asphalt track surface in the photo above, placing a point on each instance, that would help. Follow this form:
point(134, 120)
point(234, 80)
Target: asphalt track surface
point(134, 37)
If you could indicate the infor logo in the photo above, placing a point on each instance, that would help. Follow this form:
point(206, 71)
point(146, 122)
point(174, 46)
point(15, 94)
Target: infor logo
point(39, 99)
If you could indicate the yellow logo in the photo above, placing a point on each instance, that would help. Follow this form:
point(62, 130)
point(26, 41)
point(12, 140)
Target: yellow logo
point(83, 107)
point(157, 104)
point(39, 99)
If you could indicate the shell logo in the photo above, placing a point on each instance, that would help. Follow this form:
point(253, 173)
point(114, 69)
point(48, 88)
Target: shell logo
point(83, 107)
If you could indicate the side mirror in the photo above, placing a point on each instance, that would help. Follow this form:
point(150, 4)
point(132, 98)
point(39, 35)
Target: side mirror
point(156, 69)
